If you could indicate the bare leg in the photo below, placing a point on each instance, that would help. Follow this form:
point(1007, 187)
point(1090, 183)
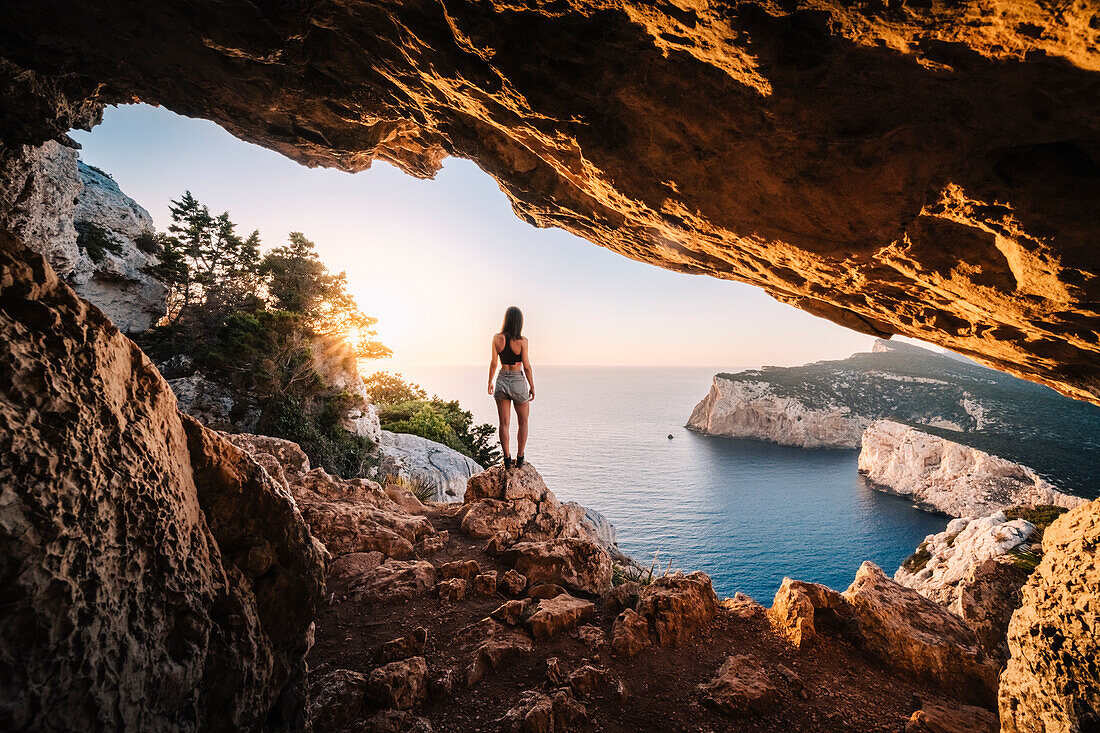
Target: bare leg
point(504, 412)
point(522, 411)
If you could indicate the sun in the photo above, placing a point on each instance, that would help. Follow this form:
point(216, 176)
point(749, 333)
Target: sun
point(353, 337)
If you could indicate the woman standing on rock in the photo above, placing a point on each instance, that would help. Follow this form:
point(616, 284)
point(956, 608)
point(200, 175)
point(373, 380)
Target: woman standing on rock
point(515, 382)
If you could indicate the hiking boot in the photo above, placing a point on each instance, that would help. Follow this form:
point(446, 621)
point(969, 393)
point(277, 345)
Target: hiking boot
point(519, 461)
point(507, 462)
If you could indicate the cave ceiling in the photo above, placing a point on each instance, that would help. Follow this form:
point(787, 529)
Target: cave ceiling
point(930, 169)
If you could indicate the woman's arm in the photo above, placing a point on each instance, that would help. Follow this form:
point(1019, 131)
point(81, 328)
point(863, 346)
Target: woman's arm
point(492, 363)
point(527, 369)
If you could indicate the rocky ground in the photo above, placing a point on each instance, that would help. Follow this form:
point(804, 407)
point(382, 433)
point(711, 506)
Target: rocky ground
point(430, 624)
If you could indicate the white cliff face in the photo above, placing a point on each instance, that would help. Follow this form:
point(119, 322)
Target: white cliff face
point(414, 458)
point(952, 553)
point(57, 198)
point(40, 198)
point(749, 409)
point(117, 283)
point(949, 477)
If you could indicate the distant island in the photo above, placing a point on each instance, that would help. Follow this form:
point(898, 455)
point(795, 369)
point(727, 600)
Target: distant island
point(829, 404)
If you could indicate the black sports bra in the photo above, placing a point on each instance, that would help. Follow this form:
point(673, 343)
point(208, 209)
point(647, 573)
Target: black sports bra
point(507, 356)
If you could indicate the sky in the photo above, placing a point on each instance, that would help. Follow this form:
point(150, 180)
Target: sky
point(438, 261)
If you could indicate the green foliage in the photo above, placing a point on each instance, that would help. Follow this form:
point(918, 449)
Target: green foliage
point(321, 436)
point(1025, 558)
point(148, 242)
point(1042, 516)
point(271, 327)
point(385, 388)
point(422, 490)
point(916, 562)
point(100, 171)
point(96, 241)
point(444, 422)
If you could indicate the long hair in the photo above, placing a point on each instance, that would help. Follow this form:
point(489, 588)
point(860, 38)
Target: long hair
point(513, 323)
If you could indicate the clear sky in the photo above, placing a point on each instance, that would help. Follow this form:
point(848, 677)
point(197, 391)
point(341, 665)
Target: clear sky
point(437, 262)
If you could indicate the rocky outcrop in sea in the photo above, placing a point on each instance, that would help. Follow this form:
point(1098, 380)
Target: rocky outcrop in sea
point(949, 477)
point(830, 404)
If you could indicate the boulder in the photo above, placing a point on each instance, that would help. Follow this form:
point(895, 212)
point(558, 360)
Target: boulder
point(495, 651)
point(621, 597)
point(414, 458)
point(943, 717)
point(558, 614)
point(453, 590)
point(544, 590)
point(740, 686)
point(410, 645)
point(513, 583)
point(152, 570)
point(584, 682)
point(1051, 681)
point(986, 599)
point(401, 685)
point(576, 564)
point(630, 634)
point(395, 721)
point(356, 577)
point(337, 699)
point(912, 633)
point(801, 611)
point(465, 569)
point(485, 584)
point(676, 605)
point(539, 713)
point(512, 612)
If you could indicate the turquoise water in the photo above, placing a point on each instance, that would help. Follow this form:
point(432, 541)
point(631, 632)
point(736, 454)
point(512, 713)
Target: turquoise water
point(746, 512)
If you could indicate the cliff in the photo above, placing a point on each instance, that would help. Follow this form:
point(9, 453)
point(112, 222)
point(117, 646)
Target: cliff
point(949, 477)
point(90, 232)
point(830, 404)
point(152, 571)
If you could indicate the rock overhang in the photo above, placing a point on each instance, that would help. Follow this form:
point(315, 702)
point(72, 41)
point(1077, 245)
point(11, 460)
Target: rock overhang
point(927, 171)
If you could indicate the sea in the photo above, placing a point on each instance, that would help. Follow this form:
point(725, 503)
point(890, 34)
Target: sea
point(748, 513)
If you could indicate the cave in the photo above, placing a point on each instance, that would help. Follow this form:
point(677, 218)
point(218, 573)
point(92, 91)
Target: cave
point(930, 170)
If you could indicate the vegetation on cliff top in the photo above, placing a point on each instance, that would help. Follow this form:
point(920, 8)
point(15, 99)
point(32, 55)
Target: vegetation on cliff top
point(404, 407)
point(955, 399)
point(270, 326)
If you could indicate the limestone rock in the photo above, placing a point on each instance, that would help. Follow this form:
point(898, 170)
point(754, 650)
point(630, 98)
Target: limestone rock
point(396, 721)
point(512, 612)
point(419, 459)
point(465, 569)
point(399, 685)
point(493, 652)
point(539, 713)
point(361, 576)
point(337, 699)
point(749, 409)
point(585, 681)
point(630, 633)
point(38, 200)
point(953, 553)
point(987, 597)
point(453, 590)
point(117, 283)
point(485, 584)
point(802, 611)
point(1051, 682)
point(214, 404)
point(942, 717)
point(949, 477)
point(620, 597)
point(410, 645)
point(576, 564)
point(677, 605)
point(558, 614)
point(740, 686)
point(513, 582)
point(913, 633)
point(153, 571)
point(544, 590)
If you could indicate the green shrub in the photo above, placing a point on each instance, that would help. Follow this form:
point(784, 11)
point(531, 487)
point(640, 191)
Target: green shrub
point(385, 388)
point(422, 490)
point(328, 444)
point(916, 562)
point(96, 241)
point(1042, 516)
point(444, 422)
point(148, 242)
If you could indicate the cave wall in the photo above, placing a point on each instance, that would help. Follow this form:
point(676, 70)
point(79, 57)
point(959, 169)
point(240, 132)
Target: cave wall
point(923, 168)
point(152, 575)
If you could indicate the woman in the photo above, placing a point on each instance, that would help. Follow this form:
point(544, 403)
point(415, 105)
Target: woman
point(515, 382)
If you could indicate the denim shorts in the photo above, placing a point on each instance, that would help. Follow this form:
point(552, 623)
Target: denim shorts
point(512, 386)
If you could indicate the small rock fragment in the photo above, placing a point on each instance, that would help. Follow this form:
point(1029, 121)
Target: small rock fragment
point(630, 634)
point(513, 582)
point(465, 569)
point(485, 584)
point(410, 645)
point(544, 590)
point(512, 612)
point(399, 685)
point(740, 686)
point(558, 614)
point(453, 590)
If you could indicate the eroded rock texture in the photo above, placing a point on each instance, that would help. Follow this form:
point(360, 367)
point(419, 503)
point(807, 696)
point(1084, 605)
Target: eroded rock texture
point(1052, 682)
point(153, 576)
point(920, 168)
